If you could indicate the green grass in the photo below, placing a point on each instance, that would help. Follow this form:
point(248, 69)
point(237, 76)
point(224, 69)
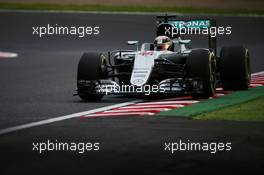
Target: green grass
point(209, 105)
point(249, 111)
point(75, 7)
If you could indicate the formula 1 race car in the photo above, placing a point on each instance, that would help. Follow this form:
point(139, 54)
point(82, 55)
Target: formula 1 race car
point(167, 66)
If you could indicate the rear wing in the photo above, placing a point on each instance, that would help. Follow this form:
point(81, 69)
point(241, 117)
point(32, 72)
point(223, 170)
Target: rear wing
point(170, 25)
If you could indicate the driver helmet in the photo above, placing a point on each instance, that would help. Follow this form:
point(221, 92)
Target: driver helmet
point(162, 43)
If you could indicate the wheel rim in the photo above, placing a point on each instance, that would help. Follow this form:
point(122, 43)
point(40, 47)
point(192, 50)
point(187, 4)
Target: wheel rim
point(247, 66)
point(212, 67)
point(103, 66)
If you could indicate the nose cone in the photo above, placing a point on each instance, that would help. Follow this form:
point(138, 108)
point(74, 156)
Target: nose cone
point(140, 77)
point(142, 69)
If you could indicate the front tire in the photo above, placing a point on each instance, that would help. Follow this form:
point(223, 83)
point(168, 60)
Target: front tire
point(91, 68)
point(201, 64)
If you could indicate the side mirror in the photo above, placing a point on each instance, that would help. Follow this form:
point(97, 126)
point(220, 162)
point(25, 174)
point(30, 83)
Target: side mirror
point(133, 43)
point(187, 41)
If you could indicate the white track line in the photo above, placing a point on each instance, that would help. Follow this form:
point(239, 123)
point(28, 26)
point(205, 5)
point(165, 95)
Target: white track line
point(136, 110)
point(52, 120)
point(8, 55)
point(219, 94)
point(117, 114)
point(169, 102)
point(257, 73)
point(151, 106)
point(256, 84)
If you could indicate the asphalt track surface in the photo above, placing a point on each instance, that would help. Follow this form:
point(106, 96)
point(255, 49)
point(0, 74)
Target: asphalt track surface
point(39, 84)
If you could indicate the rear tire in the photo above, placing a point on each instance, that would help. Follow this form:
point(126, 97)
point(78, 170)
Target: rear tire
point(91, 68)
point(234, 68)
point(201, 64)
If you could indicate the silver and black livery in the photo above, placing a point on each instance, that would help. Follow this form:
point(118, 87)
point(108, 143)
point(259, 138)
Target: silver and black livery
point(168, 63)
